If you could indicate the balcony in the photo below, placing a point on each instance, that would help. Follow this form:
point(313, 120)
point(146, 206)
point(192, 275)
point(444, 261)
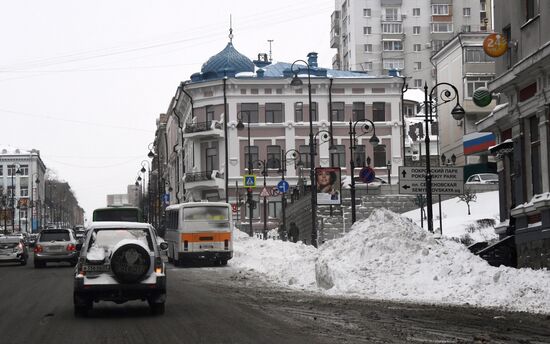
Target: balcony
point(204, 180)
point(334, 38)
point(203, 129)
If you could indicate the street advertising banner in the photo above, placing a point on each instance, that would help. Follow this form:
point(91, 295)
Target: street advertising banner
point(329, 185)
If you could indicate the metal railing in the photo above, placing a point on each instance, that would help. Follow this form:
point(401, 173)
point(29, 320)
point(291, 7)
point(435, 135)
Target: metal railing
point(191, 127)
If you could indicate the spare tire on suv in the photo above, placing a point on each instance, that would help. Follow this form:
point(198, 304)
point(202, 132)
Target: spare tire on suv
point(130, 262)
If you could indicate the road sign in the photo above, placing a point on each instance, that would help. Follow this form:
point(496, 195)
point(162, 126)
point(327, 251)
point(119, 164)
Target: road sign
point(445, 180)
point(367, 174)
point(234, 207)
point(249, 180)
point(282, 186)
point(265, 192)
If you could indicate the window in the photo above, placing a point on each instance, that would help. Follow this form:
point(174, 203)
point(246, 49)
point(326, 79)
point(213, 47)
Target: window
point(24, 191)
point(314, 111)
point(531, 9)
point(394, 64)
point(24, 169)
point(535, 155)
point(338, 112)
point(12, 170)
point(442, 27)
point(1, 170)
point(483, 5)
point(416, 12)
point(440, 10)
point(304, 155)
point(379, 156)
point(417, 65)
point(299, 112)
point(358, 111)
point(210, 114)
point(368, 48)
point(368, 66)
point(211, 159)
point(366, 12)
point(393, 46)
point(251, 109)
point(274, 209)
point(392, 28)
point(417, 82)
point(416, 30)
point(274, 156)
point(338, 157)
point(434, 128)
point(367, 30)
point(378, 112)
point(359, 156)
point(391, 14)
point(417, 47)
point(253, 156)
point(273, 112)
point(475, 82)
point(255, 210)
point(438, 44)
point(466, 11)
point(466, 28)
point(476, 54)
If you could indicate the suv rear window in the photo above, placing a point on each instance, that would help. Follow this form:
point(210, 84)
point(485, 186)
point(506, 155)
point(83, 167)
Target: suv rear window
point(54, 236)
point(108, 237)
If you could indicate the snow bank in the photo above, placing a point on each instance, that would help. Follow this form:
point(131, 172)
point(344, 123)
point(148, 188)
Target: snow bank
point(388, 257)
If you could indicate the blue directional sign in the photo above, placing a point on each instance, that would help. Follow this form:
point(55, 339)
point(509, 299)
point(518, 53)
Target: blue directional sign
point(282, 186)
point(249, 180)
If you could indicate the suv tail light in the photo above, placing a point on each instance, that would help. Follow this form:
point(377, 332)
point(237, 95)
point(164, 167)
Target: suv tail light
point(185, 245)
point(158, 265)
point(19, 247)
point(226, 244)
point(71, 247)
point(38, 249)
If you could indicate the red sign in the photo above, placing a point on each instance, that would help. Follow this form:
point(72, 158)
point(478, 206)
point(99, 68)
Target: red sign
point(234, 207)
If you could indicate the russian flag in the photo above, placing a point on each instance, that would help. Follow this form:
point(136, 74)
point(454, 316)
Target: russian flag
point(478, 142)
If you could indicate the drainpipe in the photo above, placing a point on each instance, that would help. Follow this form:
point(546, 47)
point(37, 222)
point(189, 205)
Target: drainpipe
point(330, 119)
point(404, 89)
point(182, 86)
point(175, 102)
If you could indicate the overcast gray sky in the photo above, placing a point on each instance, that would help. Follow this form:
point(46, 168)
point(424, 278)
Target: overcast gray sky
point(84, 81)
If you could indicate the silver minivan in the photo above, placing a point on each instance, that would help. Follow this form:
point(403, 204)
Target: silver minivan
point(55, 245)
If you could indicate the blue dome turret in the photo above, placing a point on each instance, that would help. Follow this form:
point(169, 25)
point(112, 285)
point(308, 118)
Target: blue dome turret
point(227, 62)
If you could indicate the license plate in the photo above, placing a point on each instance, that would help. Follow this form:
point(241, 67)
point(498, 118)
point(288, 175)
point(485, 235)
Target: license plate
point(54, 248)
point(206, 246)
point(96, 268)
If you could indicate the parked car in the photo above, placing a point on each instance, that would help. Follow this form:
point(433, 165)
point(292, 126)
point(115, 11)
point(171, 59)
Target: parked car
point(119, 262)
point(13, 249)
point(483, 178)
point(55, 245)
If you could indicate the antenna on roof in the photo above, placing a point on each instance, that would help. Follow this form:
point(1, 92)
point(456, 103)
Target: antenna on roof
point(270, 41)
point(230, 30)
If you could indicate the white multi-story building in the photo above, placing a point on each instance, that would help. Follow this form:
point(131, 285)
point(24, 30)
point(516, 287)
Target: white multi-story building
point(201, 155)
point(21, 189)
point(379, 35)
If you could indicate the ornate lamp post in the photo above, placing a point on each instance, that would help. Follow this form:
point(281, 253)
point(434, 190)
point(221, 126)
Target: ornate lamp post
point(240, 126)
point(366, 127)
point(290, 155)
point(148, 170)
point(262, 164)
point(457, 112)
point(33, 203)
point(13, 172)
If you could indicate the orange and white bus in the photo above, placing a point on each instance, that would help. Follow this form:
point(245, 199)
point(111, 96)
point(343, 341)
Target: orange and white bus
point(199, 231)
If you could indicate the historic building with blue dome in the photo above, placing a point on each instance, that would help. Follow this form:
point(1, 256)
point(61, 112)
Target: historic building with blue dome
point(203, 155)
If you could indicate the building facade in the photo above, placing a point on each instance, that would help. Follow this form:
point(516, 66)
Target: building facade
point(463, 63)
point(379, 35)
point(520, 124)
point(201, 154)
point(21, 189)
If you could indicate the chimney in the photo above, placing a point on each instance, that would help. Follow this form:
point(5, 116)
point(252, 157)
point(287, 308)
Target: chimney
point(312, 60)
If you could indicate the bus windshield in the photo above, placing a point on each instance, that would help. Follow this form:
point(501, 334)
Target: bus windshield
point(209, 214)
point(118, 214)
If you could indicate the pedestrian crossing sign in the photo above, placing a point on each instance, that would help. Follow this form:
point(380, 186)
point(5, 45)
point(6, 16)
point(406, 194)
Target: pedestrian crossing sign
point(249, 180)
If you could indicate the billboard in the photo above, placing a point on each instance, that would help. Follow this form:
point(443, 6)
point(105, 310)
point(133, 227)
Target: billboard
point(329, 185)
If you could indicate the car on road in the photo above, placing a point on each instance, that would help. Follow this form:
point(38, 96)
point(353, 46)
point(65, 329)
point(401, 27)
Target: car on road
point(119, 262)
point(482, 178)
point(13, 249)
point(55, 245)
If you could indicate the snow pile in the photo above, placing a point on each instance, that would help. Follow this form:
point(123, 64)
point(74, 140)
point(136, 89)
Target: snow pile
point(282, 262)
point(388, 257)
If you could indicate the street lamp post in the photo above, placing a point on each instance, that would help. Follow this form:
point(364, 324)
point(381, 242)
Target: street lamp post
point(240, 126)
point(263, 165)
point(32, 199)
point(148, 170)
point(388, 165)
point(366, 127)
point(457, 112)
point(294, 155)
point(13, 173)
point(297, 82)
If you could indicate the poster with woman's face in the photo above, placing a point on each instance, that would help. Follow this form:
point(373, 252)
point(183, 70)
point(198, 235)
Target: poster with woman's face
point(328, 185)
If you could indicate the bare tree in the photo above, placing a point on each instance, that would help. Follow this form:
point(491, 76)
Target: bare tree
point(468, 196)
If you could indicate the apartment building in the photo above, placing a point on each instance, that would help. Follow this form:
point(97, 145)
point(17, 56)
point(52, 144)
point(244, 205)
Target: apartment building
point(379, 35)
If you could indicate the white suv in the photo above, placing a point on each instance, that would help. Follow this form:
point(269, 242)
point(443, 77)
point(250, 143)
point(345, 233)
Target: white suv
point(119, 262)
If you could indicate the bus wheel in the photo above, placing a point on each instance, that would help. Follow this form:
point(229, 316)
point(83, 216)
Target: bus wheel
point(223, 262)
